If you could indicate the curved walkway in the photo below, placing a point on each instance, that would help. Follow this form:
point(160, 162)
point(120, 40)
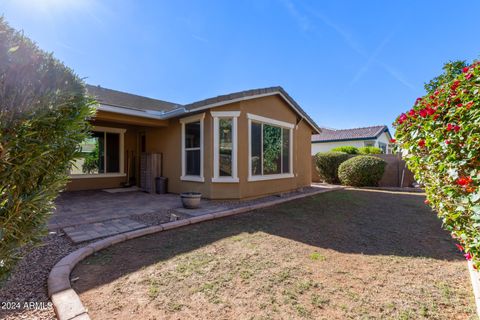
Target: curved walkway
point(65, 300)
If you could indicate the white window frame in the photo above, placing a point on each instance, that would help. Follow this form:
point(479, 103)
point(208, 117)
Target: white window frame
point(263, 120)
point(216, 146)
point(105, 130)
point(184, 121)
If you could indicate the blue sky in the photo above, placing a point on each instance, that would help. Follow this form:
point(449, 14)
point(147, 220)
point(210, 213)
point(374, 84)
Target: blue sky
point(347, 63)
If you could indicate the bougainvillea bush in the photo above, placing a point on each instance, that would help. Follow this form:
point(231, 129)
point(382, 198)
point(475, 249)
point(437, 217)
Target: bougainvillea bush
point(43, 111)
point(440, 141)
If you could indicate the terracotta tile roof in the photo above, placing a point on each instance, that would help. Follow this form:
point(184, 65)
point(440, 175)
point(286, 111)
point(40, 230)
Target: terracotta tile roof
point(328, 135)
point(127, 100)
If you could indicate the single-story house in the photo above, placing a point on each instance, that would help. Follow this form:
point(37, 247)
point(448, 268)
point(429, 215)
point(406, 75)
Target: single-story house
point(240, 145)
point(376, 136)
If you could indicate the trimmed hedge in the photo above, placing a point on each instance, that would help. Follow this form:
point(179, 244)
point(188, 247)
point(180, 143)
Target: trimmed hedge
point(440, 141)
point(369, 150)
point(346, 149)
point(327, 165)
point(43, 112)
point(362, 171)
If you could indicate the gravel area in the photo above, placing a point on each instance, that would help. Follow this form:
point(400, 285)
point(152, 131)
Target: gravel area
point(28, 281)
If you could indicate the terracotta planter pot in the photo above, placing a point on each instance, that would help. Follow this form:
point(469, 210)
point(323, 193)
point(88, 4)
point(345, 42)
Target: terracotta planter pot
point(191, 200)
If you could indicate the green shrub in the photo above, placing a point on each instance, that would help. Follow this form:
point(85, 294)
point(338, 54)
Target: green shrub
point(346, 149)
point(369, 150)
point(440, 141)
point(362, 171)
point(328, 163)
point(43, 108)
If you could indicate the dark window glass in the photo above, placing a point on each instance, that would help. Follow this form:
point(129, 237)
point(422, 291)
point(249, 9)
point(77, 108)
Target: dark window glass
point(272, 149)
point(113, 152)
point(256, 147)
point(193, 162)
point(286, 151)
point(225, 146)
point(192, 135)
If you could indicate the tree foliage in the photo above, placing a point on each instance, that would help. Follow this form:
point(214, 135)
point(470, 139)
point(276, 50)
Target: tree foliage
point(440, 141)
point(43, 107)
point(369, 150)
point(346, 149)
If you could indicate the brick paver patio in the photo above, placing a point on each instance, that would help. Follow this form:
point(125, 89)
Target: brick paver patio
point(91, 231)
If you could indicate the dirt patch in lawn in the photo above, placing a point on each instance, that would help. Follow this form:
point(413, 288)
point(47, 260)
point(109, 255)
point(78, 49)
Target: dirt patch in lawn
point(345, 254)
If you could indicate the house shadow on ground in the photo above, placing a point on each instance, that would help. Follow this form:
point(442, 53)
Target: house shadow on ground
point(349, 221)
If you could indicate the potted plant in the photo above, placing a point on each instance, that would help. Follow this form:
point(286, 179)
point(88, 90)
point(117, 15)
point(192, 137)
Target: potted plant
point(191, 200)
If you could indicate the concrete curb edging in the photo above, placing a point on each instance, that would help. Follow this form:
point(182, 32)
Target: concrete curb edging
point(67, 303)
point(475, 278)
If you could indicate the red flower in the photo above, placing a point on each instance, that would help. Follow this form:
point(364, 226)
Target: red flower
point(418, 100)
point(468, 76)
point(393, 140)
point(459, 247)
point(411, 113)
point(468, 256)
point(456, 128)
point(436, 93)
point(435, 117)
point(423, 113)
point(465, 70)
point(430, 111)
point(464, 181)
point(402, 118)
point(449, 127)
point(421, 143)
point(455, 85)
point(426, 201)
point(460, 105)
point(447, 142)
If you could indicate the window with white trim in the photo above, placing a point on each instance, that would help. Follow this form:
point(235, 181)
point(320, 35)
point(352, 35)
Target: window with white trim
point(192, 148)
point(225, 146)
point(101, 154)
point(270, 148)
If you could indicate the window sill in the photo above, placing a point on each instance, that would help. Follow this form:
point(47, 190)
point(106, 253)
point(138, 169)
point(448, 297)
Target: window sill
point(225, 180)
point(192, 178)
point(90, 176)
point(271, 177)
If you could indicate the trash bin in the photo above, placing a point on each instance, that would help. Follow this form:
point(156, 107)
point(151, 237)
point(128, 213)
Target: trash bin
point(161, 184)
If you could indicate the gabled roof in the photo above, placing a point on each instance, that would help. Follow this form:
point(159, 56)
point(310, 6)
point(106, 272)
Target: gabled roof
point(251, 94)
point(366, 133)
point(127, 100)
point(127, 103)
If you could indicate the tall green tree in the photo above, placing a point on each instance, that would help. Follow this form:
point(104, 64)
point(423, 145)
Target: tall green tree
point(43, 112)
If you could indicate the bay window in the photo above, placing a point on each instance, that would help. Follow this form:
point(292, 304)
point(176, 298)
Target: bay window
point(192, 148)
point(225, 146)
point(270, 148)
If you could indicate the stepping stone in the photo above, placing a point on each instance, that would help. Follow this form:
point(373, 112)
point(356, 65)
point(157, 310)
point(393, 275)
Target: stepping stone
point(91, 231)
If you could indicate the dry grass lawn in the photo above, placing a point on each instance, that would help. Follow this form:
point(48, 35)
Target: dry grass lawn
point(342, 255)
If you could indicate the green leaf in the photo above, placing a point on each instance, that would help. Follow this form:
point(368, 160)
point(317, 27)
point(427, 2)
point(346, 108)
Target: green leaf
point(13, 49)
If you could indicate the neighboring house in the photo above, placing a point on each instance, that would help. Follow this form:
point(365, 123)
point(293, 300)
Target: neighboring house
point(240, 145)
point(377, 136)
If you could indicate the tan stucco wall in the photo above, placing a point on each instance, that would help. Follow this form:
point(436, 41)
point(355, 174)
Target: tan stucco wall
point(167, 140)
